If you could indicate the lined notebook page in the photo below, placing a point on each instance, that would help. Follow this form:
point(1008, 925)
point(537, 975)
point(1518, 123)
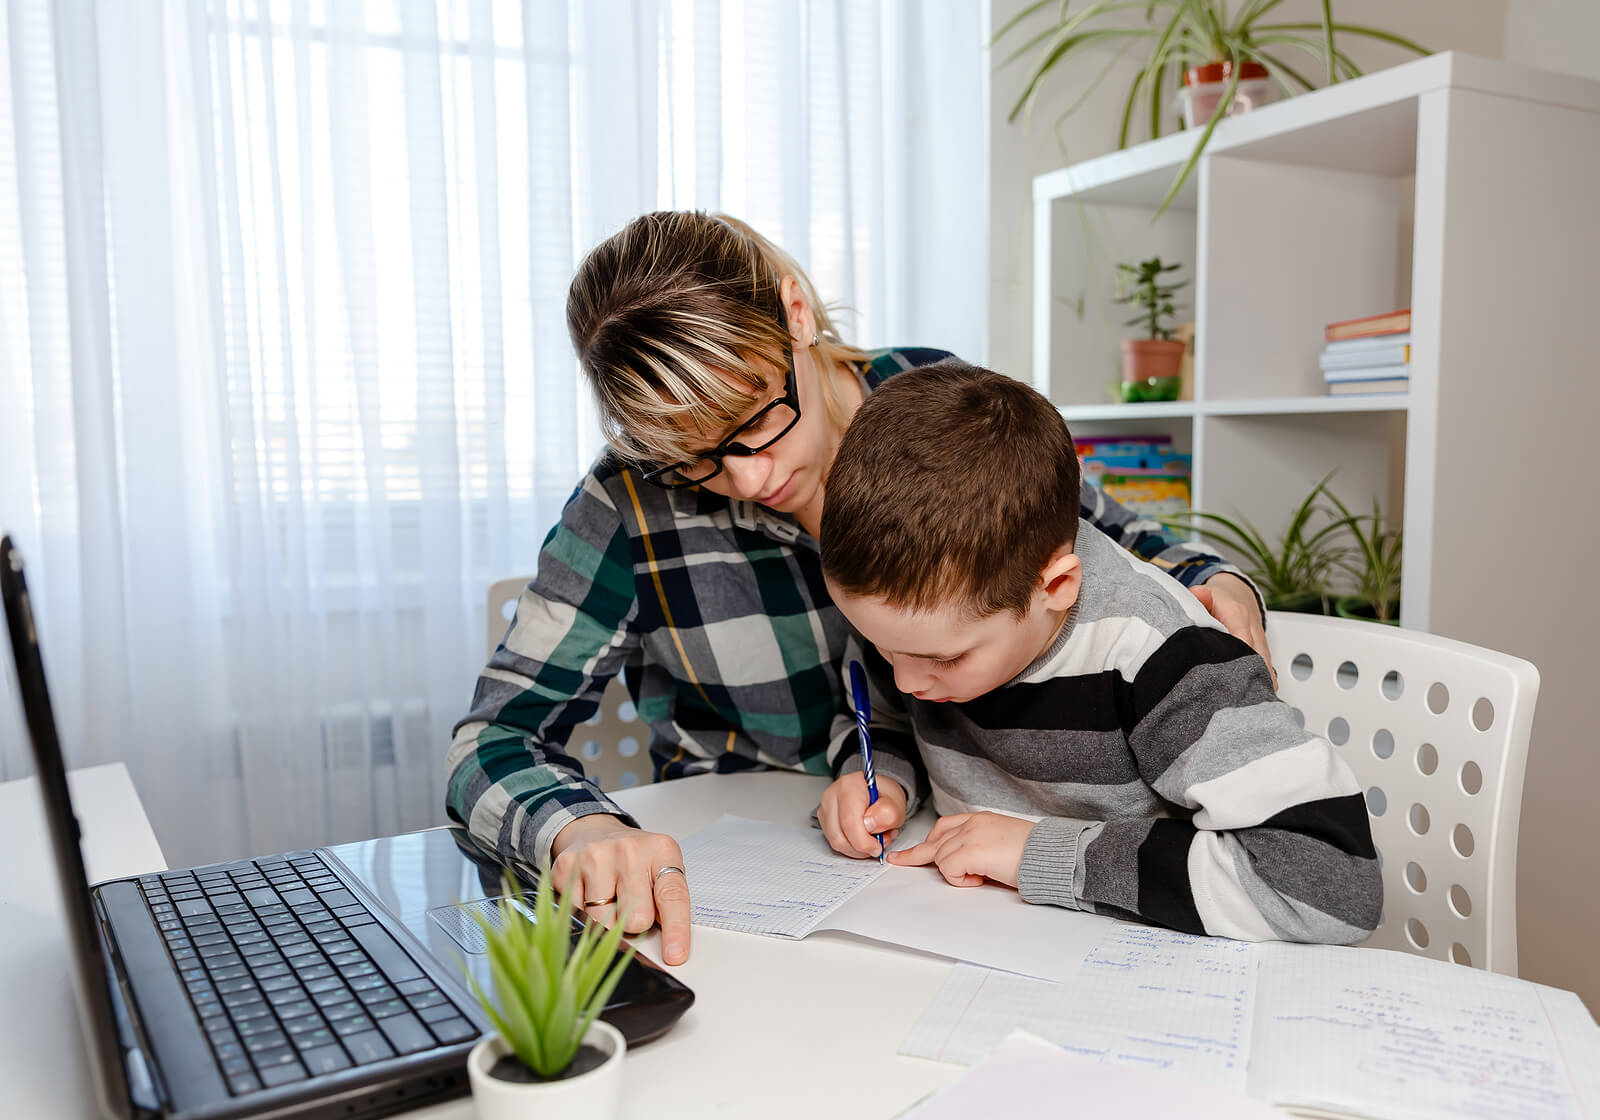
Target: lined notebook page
point(772, 879)
point(1396, 1035)
point(1143, 997)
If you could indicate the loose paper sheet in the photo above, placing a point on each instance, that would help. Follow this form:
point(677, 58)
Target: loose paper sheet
point(1026, 1072)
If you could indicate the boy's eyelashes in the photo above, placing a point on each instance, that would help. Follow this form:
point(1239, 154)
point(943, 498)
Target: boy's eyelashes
point(946, 662)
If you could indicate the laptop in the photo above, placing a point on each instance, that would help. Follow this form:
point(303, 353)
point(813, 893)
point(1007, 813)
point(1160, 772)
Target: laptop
point(317, 983)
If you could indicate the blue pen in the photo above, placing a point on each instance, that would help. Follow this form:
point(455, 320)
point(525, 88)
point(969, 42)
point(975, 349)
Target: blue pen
point(858, 692)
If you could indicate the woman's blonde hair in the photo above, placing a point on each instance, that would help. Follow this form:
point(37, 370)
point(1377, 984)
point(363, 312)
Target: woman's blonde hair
point(664, 311)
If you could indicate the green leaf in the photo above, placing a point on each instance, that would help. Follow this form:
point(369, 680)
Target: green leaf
point(1200, 144)
point(1353, 29)
point(1060, 51)
point(1016, 19)
point(1327, 38)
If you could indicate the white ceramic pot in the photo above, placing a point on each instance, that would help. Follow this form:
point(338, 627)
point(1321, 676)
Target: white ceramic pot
point(593, 1095)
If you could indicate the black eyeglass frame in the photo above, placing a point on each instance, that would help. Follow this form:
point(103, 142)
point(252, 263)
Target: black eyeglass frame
point(731, 445)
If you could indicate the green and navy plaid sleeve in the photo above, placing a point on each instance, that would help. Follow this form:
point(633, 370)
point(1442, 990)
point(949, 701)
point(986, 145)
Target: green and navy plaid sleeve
point(511, 781)
point(1148, 540)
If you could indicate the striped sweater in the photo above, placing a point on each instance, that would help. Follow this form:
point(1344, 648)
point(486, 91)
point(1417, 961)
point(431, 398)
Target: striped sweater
point(1168, 780)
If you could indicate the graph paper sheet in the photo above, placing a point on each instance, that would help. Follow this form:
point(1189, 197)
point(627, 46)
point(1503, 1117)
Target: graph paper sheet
point(772, 879)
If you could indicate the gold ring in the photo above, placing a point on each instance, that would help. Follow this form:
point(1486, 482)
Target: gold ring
point(590, 903)
point(660, 871)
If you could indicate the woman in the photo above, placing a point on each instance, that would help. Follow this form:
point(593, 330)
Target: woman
point(688, 556)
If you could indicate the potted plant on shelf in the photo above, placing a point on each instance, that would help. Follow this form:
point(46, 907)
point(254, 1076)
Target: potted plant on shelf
point(1152, 365)
point(1215, 53)
point(1375, 567)
point(1292, 574)
point(552, 1052)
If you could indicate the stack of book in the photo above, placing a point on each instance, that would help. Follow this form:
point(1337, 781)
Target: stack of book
point(1370, 355)
point(1143, 473)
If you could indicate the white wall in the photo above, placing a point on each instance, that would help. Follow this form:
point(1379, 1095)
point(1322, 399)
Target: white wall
point(1558, 906)
point(1554, 35)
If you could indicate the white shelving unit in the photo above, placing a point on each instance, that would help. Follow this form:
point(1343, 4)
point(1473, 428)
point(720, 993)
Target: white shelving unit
point(1460, 187)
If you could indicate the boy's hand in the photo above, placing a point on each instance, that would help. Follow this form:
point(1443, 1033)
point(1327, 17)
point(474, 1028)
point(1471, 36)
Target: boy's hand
point(971, 847)
point(843, 807)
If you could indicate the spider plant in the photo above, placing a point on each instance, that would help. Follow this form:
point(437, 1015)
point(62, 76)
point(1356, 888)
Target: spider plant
point(1294, 568)
point(548, 987)
point(1178, 34)
point(1377, 574)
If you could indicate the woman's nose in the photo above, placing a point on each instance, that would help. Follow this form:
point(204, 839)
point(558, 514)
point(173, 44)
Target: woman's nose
point(747, 474)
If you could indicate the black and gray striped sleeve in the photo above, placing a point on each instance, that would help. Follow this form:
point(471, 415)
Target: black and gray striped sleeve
point(1269, 837)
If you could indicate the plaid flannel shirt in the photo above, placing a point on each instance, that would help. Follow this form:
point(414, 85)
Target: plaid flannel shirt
point(715, 612)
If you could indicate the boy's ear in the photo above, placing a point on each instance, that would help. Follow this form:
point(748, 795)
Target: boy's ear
point(1061, 579)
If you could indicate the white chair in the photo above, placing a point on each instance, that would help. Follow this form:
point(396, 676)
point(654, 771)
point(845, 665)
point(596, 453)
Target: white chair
point(1437, 733)
point(612, 744)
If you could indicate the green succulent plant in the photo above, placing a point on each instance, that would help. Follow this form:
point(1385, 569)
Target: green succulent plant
point(548, 986)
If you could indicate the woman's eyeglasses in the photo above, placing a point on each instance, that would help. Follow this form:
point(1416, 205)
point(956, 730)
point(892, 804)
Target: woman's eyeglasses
point(755, 435)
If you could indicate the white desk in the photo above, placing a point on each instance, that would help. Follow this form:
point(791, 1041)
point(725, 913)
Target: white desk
point(44, 1069)
point(777, 1028)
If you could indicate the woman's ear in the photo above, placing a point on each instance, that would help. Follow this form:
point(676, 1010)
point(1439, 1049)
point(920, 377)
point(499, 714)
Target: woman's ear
point(802, 323)
point(1062, 579)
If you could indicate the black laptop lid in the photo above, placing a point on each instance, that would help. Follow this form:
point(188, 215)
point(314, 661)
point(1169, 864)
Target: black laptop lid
point(95, 1013)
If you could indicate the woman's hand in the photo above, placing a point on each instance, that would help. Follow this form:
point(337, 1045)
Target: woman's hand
point(971, 847)
point(846, 821)
point(618, 870)
point(1233, 603)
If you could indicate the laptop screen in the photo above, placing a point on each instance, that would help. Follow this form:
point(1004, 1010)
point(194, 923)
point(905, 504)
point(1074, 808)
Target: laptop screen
point(95, 1008)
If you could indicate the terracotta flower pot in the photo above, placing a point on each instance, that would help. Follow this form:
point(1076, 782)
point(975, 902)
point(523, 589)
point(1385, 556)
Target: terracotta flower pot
point(1150, 369)
point(1203, 87)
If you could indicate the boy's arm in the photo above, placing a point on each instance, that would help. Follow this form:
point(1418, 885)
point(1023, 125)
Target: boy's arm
point(894, 751)
point(1189, 564)
point(510, 778)
point(1279, 845)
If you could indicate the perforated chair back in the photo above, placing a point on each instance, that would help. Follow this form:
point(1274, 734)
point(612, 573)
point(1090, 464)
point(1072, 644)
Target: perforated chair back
point(1437, 733)
point(609, 744)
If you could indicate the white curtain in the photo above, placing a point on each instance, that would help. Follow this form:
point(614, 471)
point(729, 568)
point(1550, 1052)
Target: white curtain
point(286, 377)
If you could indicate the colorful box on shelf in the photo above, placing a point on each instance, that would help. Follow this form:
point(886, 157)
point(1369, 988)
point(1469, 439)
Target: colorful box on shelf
point(1148, 495)
point(1131, 456)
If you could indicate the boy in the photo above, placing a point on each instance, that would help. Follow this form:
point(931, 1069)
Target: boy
point(1090, 735)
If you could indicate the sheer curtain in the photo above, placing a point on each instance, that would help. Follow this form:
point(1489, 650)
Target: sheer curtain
point(286, 378)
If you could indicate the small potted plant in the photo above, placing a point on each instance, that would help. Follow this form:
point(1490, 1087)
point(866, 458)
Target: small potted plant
point(1293, 574)
point(1151, 366)
point(1375, 567)
point(552, 1054)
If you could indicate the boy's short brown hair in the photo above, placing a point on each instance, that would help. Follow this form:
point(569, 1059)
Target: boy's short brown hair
point(953, 482)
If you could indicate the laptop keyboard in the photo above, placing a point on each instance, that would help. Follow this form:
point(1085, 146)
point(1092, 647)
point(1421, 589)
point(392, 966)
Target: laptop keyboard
point(291, 974)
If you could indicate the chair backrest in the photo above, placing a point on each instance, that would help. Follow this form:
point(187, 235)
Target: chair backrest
point(1437, 733)
point(611, 743)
